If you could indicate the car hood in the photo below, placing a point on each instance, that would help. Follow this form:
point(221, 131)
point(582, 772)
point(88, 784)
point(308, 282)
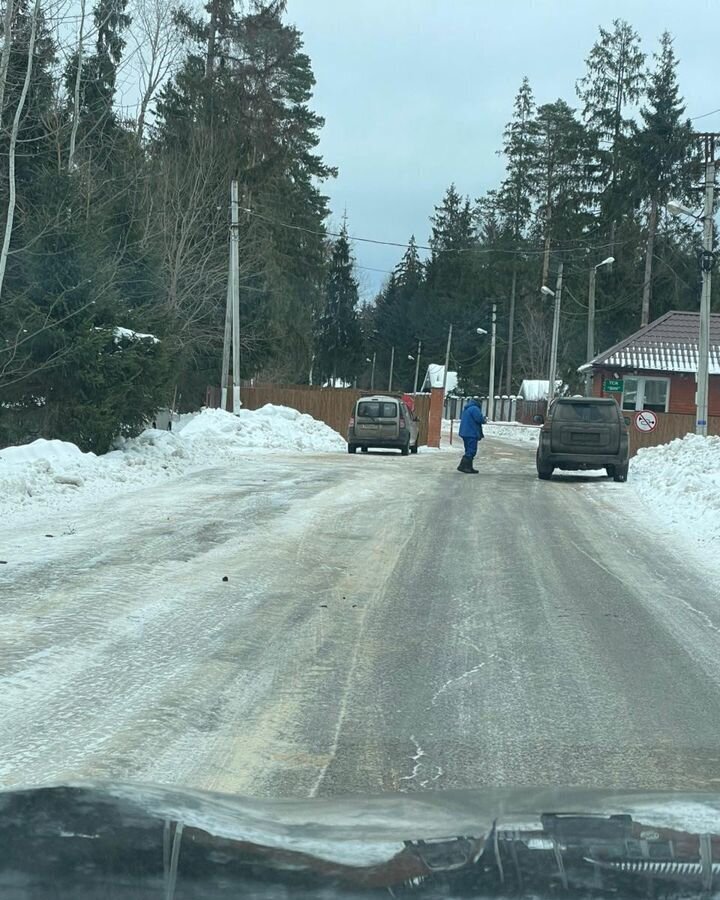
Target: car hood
point(88, 839)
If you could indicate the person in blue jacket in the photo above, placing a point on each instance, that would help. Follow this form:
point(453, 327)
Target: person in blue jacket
point(471, 423)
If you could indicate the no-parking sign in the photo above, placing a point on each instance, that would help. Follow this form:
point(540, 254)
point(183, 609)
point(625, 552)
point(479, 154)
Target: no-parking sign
point(646, 420)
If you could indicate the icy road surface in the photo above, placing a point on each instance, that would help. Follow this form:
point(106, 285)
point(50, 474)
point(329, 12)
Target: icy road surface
point(386, 623)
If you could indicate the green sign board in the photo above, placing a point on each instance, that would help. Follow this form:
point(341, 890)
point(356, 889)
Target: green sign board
point(613, 386)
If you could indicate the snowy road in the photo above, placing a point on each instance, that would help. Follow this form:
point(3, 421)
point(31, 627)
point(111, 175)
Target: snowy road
point(385, 624)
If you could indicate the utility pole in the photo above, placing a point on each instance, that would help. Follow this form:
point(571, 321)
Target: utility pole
point(392, 366)
point(511, 333)
point(555, 335)
point(417, 366)
point(372, 372)
point(235, 282)
point(590, 344)
point(225, 374)
point(447, 359)
point(707, 262)
point(491, 385)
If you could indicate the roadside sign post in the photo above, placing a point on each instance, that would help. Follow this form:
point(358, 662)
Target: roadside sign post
point(645, 421)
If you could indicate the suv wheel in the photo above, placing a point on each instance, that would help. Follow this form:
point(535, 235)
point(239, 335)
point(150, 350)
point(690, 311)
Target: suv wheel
point(414, 449)
point(352, 448)
point(610, 471)
point(405, 449)
point(544, 471)
point(363, 449)
point(621, 473)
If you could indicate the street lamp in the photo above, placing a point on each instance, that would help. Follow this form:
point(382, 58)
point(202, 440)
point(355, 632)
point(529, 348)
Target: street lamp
point(590, 349)
point(675, 208)
point(707, 262)
point(557, 294)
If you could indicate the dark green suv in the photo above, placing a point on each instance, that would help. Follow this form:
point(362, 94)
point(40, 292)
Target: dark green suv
point(582, 433)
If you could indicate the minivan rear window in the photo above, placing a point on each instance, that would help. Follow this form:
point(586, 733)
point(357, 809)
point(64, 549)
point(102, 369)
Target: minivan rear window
point(375, 409)
point(585, 412)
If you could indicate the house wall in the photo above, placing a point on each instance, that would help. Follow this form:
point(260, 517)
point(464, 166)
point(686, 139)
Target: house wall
point(682, 389)
point(680, 418)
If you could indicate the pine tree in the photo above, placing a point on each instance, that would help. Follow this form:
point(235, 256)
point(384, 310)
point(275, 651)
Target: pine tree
point(513, 203)
point(339, 339)
point(663, 150)
point(560, 178)
point(613, 82)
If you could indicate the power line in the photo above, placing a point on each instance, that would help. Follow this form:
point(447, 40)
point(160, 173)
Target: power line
point(705, 115)
point(401, 245)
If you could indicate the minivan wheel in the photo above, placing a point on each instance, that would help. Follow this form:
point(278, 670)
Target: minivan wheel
point(610, 471)
point(406, 449)
point(621, 474)
point(352, 448)
point(364, 449)
point(414, 449)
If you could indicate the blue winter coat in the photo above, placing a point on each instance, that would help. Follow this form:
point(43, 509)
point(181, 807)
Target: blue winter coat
point(472, 421)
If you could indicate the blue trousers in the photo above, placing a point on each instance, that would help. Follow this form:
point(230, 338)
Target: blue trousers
point(470, 447)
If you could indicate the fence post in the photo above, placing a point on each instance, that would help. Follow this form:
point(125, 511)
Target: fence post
point(437, 404)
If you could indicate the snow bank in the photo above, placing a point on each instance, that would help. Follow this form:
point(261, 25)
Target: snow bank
point(50, 472)
point(681, 481)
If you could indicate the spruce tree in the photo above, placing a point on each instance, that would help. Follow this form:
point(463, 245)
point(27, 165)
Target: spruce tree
point(339, 339)
point(513, 203)
point(663, 149)
point(613, 83)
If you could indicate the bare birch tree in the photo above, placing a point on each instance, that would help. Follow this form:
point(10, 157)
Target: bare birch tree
point(12, 199)
point(76, 93)
point(158, 47)
point(7, 47)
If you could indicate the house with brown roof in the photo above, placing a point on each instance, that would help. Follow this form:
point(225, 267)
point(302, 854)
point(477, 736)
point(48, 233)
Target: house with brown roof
point(656, 369)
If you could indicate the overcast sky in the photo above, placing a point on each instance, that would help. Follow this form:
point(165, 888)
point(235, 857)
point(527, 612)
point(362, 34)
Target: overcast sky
point(416, 93)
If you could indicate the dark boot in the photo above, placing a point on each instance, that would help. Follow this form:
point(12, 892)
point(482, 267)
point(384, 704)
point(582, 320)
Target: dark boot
point(465, 466)
point(472, 469)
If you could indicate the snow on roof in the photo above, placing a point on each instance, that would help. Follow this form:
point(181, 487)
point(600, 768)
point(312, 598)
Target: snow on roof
point(434, 378)
point(120, 333)
point(537, 389)
point(669, 344)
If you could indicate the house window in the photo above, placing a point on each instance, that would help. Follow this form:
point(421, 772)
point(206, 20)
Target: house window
point(646, 393)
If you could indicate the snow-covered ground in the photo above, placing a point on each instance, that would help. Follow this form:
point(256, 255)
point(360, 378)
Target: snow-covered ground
point(504, 431)
point(50, 474)
point(680, 483)
point(512, 431)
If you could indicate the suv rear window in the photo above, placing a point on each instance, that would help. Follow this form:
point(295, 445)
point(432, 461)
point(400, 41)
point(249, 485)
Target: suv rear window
point(585, 412)
point(374, 409)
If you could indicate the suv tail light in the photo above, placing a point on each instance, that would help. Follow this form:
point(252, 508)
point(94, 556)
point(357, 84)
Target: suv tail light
point(402, 422)
point(351, 423)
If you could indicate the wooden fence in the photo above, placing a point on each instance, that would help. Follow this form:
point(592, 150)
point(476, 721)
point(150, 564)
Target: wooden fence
point(669, 426)
point(334, 406)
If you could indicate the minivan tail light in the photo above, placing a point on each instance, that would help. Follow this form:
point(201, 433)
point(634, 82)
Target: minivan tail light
point(351, 423)
point(402, 422)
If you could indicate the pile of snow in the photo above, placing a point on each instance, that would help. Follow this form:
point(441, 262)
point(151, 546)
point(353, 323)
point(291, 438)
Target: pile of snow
point(682, 482)
point(50, 472)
